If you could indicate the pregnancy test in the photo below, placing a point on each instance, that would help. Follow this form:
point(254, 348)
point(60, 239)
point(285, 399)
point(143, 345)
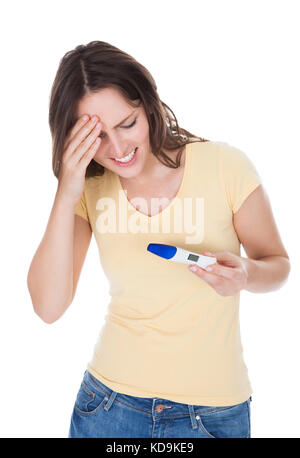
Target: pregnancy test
point(177, 254)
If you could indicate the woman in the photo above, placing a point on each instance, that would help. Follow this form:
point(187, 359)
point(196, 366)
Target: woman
point(168, 361)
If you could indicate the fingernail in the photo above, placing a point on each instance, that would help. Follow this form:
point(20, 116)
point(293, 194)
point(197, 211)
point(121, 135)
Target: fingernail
point(208, 268)
point(193, 268)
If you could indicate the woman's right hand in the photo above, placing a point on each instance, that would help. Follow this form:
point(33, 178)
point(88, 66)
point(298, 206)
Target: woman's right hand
point(80, 147)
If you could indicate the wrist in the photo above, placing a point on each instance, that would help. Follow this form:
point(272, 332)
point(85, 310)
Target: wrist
point(62, 200)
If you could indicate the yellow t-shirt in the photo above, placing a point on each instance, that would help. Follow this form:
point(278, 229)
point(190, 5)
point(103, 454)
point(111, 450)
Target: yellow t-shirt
point(167, 333)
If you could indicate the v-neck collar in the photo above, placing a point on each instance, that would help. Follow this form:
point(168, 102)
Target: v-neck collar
point(179, 192)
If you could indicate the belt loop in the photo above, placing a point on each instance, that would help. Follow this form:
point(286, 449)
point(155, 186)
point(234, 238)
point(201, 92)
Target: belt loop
point(192, 416)
point(110, 400)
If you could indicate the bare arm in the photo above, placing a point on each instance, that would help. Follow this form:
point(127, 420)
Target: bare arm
point(50, 276)
point(268, 263)
point(56, 265)
point(55, 269)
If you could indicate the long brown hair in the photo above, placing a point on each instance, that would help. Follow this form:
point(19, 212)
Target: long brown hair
point(97, 65)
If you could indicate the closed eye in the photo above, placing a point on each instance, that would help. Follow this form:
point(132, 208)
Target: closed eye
point(131, 125)
point(124, 127)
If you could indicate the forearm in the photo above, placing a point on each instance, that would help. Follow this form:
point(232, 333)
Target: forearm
point(266, 274)
point(50, 276)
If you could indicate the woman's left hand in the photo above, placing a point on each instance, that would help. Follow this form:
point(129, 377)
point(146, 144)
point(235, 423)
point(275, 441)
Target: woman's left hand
point(227, 277)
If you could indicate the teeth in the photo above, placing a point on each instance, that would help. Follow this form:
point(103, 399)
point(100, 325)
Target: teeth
point(127, 158)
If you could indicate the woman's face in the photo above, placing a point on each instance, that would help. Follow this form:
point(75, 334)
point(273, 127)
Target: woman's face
point(119, 141)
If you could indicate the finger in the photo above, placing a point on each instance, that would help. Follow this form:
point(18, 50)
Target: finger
point(222, 271)
point(226, 258)
point(80, 136)
point(87, 143)
point(78, 125)
point(90, 153)
point(210, 278)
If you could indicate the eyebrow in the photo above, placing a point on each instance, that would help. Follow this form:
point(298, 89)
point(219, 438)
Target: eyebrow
point(118, 125)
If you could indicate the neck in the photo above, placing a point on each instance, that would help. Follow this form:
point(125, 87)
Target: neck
point(154, 170)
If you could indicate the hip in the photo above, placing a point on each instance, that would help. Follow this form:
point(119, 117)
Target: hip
point(102, 412)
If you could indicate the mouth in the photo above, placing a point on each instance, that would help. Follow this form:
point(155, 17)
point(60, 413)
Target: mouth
point(128, 160)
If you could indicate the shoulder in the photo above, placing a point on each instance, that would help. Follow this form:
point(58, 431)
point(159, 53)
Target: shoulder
point(228, 160)
point(203, 154)
point(228, 151)
point(227, 156)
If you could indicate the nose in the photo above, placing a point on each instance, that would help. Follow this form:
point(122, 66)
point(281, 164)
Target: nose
point(116, 149)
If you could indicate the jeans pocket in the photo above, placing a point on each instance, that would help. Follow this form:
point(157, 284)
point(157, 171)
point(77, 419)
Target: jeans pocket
point(225, 422)
point(89, 401)
point(202, 427)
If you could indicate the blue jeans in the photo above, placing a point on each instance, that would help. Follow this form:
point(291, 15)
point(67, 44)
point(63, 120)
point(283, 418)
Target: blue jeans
point(102, 412)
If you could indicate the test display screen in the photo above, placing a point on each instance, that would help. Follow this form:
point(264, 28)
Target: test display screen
point(193, 257)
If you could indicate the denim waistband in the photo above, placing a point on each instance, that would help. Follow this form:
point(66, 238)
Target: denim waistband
point(156, 407)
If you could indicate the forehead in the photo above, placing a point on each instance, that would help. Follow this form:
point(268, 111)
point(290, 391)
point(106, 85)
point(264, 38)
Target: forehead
point(105, 102)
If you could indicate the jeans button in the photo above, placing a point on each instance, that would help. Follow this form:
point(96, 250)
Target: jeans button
point(159, 408)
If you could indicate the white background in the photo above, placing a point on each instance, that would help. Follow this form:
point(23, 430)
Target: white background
point(230, 72)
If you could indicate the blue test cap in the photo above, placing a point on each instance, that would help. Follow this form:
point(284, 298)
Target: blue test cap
point(165, 251)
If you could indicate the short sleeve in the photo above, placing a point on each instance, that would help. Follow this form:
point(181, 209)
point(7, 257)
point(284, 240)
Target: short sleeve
point(81, 209)
point(239, 175)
